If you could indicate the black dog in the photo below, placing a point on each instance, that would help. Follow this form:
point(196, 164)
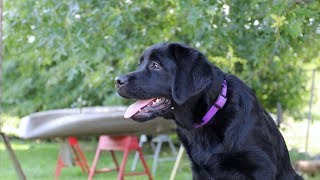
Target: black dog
point(241, 141)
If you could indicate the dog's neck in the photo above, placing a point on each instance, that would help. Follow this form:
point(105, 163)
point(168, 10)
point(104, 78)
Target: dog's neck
point(216, 106)
point(192, 111)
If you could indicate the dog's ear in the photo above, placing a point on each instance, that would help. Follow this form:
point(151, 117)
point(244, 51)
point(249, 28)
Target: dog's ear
point(193, 72)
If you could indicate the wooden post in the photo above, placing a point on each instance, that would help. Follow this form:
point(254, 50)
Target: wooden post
point(310, 108)
point(177, 163)
point(13, 157)
point(4, 137)
point(1, 19)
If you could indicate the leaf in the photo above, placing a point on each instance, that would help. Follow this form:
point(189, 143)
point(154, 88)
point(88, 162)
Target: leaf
point(279, 21)
point(295, 28)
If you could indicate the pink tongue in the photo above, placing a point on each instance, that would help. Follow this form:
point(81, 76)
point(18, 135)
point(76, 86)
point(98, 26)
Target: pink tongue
point(135, 107)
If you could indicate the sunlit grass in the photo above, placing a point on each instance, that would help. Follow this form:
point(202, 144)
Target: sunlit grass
point(16, 147)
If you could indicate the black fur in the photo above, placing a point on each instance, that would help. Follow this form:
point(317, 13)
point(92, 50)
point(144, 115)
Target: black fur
point(240, 142)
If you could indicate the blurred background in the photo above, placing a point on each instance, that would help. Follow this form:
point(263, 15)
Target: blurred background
point(65, 54)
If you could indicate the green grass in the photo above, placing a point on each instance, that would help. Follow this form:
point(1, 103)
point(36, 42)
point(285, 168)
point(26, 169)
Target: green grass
point(38, 158)
point(38, 161)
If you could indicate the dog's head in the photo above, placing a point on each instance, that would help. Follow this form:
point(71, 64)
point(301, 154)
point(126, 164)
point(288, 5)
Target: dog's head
point(167, 76)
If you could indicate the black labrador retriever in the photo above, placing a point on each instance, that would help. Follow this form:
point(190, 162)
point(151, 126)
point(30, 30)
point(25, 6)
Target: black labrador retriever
point(238, 140)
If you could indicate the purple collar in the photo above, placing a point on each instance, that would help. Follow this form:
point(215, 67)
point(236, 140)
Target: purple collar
point(220, 102)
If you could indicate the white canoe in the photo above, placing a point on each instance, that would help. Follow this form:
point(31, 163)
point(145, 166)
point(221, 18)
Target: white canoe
point(88, 121)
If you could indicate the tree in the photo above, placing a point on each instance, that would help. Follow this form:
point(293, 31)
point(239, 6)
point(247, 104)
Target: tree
point(62, 53)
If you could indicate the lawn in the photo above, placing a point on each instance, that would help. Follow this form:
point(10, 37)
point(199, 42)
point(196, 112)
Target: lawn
point(38, 158)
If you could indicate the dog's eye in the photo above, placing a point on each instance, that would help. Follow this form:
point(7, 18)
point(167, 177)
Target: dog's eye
point(154, 65)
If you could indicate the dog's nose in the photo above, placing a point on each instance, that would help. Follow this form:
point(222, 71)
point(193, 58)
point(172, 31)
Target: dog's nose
point(121, 80)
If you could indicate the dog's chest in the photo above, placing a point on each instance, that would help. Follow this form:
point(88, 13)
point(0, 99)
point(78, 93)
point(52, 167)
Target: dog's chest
point(199, 155)
point(200, 147)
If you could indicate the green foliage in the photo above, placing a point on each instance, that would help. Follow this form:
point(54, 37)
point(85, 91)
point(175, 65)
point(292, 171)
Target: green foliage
point(60, 53)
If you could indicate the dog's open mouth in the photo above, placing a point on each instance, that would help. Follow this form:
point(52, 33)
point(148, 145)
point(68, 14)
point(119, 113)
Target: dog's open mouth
point(147, 109)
